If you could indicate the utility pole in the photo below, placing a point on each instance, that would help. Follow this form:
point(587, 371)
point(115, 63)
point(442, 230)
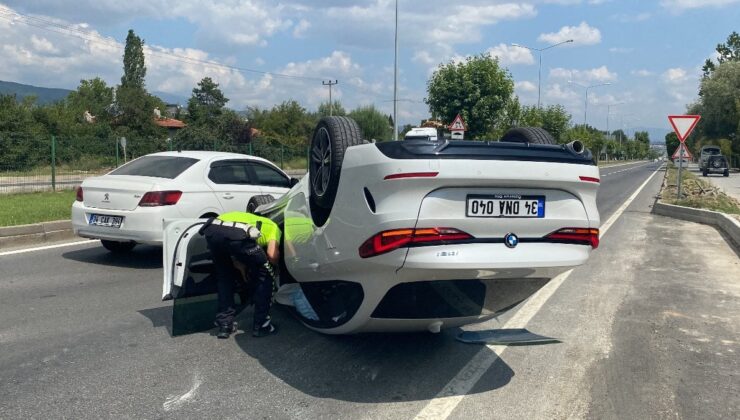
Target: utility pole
point(331, 104)
point(539, 71)
point(585, 103)
point(395, 81)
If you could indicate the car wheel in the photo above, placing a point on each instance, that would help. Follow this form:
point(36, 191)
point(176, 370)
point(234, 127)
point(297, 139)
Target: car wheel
point(727, 172)
point(259, 200)
point(704, 173)
point(118, 247)
point(332, 136)
point(534, 135)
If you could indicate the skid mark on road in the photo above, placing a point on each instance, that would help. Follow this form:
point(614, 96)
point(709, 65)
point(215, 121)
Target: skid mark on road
point(453, 393)
point(175, 401)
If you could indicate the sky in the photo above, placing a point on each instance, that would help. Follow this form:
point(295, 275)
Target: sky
point(264, 52)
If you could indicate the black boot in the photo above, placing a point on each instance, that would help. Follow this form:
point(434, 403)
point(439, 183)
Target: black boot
point(225, 330)
point(265, 329)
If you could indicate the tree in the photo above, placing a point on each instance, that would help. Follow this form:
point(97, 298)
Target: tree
point(671, 143)
point(206, 103)
point(92, 95)
point(288, 122)
point(134, 70)
point(25, 143)
point(373, 123)
point(337, 109)
point(591, 137)
point(643, 136)
point(729, 51)
point(477, 88)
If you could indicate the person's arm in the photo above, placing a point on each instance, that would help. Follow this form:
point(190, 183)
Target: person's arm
point(273, 252)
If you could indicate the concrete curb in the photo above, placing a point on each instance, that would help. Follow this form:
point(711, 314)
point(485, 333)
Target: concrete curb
point(22, 235)
point(727, 224)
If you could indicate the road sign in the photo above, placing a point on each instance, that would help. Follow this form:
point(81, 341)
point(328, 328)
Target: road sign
point(457, 124)
point(683, 151)
point(683, 125)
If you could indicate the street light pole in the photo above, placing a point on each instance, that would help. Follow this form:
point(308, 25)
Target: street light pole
point(585, 106)
point(395, 81)
point(539, 70)
point(608, 110)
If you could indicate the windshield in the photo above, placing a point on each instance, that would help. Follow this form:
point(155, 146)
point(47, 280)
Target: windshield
point(711, 151)
point(156, 166)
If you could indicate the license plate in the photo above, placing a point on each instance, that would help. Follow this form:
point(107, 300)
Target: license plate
point(505, 205)
point(106, 221)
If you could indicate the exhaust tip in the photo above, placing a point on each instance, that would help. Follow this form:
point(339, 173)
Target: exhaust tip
point(577, 147)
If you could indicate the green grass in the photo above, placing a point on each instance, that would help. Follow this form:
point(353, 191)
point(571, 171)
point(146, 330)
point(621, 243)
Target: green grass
point(697, 193)
point(26, 208)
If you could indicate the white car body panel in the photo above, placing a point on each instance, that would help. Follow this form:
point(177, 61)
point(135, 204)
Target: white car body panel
point(200, 196)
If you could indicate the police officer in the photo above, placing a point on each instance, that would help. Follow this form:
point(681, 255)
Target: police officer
point(252, 241)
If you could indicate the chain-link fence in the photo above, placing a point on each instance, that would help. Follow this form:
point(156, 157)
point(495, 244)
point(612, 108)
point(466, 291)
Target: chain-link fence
point(35, 163)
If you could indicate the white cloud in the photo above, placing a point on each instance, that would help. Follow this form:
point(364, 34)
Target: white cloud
point(641, 73)
point(681, 5)
point(675, 75)
point(299, 31)
point(525, 86)
point(582, 34)
point(508, 55)
point(598, 74)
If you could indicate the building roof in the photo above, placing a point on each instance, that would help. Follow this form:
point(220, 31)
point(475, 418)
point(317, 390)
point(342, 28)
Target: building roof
point(169, 123)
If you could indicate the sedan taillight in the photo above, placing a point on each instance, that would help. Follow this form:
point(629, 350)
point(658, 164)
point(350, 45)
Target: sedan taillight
point(160, 198)
point(390, 240)
point(78, 194)
point(580, 236)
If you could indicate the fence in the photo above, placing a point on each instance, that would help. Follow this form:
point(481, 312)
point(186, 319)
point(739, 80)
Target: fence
point(35, 163)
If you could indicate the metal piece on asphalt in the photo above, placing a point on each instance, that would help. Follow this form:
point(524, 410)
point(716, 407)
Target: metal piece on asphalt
point(504, 336)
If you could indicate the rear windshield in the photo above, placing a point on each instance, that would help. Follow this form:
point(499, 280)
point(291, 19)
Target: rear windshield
point(156, 166)
point(711, 151)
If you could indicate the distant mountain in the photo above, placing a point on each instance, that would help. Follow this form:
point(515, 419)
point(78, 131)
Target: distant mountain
point(171, 98)
point(43, 95)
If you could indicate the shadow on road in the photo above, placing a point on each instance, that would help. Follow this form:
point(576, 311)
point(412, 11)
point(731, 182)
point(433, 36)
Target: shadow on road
point(369, 368)
point(144, 257)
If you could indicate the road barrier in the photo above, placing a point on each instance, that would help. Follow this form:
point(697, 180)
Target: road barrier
point(728, 224)
point(24, 235)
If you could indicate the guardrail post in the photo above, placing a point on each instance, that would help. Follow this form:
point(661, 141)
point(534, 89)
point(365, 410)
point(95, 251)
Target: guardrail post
point(53, 163)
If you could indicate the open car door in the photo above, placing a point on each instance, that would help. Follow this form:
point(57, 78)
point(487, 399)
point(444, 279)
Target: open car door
point(188, 278)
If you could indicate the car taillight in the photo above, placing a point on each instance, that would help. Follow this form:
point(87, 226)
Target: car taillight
point(160, 198)
point(584, 236)
point(78, 195)
point(390, 240)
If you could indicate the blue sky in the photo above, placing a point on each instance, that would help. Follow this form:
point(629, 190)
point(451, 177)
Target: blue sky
point(650, 51)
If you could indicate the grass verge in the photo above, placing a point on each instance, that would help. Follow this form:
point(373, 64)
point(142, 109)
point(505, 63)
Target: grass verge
point(696, 192)
point(26, 208)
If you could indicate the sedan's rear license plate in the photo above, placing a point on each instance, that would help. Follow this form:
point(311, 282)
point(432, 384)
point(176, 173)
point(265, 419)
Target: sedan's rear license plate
point(505, 205)
point(106, 221)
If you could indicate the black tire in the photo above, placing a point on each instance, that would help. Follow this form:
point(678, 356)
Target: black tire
point(534, 135)
point(331, 138)
point(704, 173)
point(118, 247)
point(727, 172)
point(259, 200)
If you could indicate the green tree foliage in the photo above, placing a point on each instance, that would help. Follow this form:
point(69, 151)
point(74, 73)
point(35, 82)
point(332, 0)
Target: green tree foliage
point(373, 123)
point(671, 143)
point(94, 96)
point(718, 104)
point(643, 137)
point(337, 109)
point(206, 103)
point(24, 141)
point(288, 123)
point(554, 118)
point(478, 88)
point(729, 51)
point(591, 137)
point(134, 70)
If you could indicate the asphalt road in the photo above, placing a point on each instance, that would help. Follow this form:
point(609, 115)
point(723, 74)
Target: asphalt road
point(648, 329)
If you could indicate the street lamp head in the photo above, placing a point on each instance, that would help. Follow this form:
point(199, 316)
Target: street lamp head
point(570, 40)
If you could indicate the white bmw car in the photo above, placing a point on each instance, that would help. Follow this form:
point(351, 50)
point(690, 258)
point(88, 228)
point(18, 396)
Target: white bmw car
point(126, 206)
point(417, 235)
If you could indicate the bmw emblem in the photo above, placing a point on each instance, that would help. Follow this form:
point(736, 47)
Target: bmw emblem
point(511, 240)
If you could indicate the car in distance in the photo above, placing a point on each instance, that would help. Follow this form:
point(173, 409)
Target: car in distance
point(126, 206)
point(416, 234)
point(422, 133)
point(716, 164)
point(706, 152)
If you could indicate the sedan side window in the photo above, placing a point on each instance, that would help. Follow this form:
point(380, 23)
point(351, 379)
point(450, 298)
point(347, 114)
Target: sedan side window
point(270, 176)
point(226, 172)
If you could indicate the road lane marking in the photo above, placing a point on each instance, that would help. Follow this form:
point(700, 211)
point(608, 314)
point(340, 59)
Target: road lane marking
point(43, 248)
point(450, 396)
point(175, 401)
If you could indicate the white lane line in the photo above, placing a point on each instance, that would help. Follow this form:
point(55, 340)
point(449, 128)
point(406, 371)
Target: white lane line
point(450, 396)
point(43, 248)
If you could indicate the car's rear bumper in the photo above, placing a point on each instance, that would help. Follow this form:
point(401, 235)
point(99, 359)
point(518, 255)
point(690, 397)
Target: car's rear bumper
point(143, 225)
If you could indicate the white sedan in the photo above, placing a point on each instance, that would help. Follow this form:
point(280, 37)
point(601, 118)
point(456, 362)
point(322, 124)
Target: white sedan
point(127, 206)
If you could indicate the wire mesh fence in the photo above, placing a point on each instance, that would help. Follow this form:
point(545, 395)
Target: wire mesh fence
point(36, 163)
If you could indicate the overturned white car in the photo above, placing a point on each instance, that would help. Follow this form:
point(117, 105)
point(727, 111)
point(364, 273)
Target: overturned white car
point(417, 235)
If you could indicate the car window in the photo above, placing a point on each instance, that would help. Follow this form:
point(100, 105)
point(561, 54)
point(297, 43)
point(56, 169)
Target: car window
point(156, 166)
point(230, 172)
point(711, 151)
point(270, 176)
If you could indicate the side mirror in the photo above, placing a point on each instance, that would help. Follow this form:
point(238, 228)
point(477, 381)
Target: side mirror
point(293, 182)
